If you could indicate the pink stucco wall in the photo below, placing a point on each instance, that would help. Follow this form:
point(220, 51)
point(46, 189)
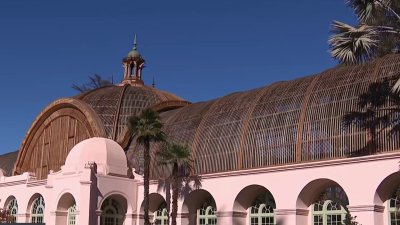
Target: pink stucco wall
point(368, 182)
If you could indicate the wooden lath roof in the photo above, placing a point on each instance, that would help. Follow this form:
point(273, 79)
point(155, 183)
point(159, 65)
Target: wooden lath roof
point(283, 123)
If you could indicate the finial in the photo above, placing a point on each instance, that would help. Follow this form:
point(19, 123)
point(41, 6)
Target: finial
point(135, 43)
point(154, 83)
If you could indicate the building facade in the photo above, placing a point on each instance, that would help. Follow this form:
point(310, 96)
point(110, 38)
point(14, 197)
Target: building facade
point(278, 154)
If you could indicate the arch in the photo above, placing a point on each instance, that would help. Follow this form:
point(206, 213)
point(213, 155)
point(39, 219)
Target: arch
point(326, 200)
point(113, 210)
point(257, 203)
point(310, 193)
point(387, 195)
point(155, 200)
point(11, 204)
point(65, 200)
point(122, 198)
point(33, 197)
point(246, 196)
point(386, 188)
point(66, 209)
point(36, 208)
point(74, 108)
point(8, 199)
point(197, 202)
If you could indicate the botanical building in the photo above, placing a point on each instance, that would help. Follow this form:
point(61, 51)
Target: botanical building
point(278, 154)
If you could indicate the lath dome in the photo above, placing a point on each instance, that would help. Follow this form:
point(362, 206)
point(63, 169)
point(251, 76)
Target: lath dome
point(102, 112)
point(114, 104)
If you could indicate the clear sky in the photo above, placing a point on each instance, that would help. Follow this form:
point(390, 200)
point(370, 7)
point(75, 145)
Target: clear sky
point(198, 50)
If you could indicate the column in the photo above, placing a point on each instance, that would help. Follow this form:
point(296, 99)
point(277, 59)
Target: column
point(224, 218)
point(291, 216)
point(130, 219)
point(23, 217)
point(367, 214)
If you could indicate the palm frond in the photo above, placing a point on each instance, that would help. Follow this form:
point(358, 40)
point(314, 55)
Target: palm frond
point(376, 95)
point(367, 10)
point(352, 45)
point(147, 126)
point(396, 87)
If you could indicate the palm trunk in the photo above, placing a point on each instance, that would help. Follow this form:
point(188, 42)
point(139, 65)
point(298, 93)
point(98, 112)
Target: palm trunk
point(175, 193)
point(146, 177)
point(168, 197)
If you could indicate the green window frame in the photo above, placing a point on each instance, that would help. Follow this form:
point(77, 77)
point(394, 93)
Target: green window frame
point(37, 212)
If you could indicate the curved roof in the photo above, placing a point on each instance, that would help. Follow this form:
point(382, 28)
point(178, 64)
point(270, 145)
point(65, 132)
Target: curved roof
point(282, 123)
point(7, 162)
point(114, 104)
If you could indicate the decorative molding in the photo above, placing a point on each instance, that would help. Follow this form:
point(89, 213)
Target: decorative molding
point(13, 183)
point(59, 213)
point(183, 215)
point(302, 212)
point(36, 183)
point(85, 182)
point(366, 208)
point(98, 212)
point(239, 214)
point(130, 216)
point(224, 214)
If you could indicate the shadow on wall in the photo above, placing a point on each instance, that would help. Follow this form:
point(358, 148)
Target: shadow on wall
point(280, 221)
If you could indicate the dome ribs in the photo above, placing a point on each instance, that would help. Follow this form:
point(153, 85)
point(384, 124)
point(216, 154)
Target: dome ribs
point(245, 128)
point(284, 123)
point(118, 112)
point(104, 102)
point(273, 125)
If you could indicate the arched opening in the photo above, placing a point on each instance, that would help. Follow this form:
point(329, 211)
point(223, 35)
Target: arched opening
point(158, 212)
point(388, 195)
point(11, 205)
point(200, 207)
point(113, 210)
point(37, 207)
point(256, 205)
point(66, 210)
point(326, 201)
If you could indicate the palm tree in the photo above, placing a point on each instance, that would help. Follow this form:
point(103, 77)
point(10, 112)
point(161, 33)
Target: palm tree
point(373, 114)
point(176, 158)
point(95, 81)
point(146, 128)
point(377, 34)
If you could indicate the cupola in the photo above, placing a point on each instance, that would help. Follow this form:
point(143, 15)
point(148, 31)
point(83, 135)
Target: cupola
point(133, 66)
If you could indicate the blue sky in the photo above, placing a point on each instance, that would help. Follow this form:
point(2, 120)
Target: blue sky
point(198, 50)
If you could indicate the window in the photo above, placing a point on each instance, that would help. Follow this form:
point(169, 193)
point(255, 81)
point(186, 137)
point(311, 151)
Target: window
point(161, 216)
point(394, 212)
point(72, 215)
point(37, 212)
point(111, 213)
point(328, 213)
point(262, 210)
point(262, 215)
point(12, 206)
point(206, 216)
